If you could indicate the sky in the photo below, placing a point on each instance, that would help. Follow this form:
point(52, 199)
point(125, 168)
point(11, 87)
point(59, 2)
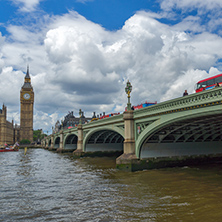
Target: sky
point(81, 53)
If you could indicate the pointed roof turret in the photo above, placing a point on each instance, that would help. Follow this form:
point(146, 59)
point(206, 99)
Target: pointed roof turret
point(27, 73)
point(27, 83)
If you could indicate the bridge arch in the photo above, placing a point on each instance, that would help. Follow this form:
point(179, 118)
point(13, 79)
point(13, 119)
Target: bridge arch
point(104, 139)
point(49, 143)
point(70, 141)
point(56, 142)
point(184, 130)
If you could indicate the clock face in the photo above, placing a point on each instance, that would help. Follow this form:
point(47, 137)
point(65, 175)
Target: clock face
point(26, 96)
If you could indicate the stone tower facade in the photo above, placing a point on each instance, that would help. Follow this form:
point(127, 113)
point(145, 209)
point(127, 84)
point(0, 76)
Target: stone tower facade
point(26, 109)
point(6, 128)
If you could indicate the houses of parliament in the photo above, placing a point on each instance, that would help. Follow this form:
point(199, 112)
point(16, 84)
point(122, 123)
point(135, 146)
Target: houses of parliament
point(10, 132)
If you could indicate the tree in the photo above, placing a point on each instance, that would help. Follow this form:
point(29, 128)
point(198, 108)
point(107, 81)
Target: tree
point(37, 135)
point(25, 141)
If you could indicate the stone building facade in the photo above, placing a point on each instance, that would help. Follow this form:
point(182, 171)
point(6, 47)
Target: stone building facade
point(26, 109)
point(10, 133)
point(70, 121)
point(6, 128)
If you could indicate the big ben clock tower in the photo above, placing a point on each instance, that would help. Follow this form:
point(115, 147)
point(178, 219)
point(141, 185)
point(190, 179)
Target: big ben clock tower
point(26, 109)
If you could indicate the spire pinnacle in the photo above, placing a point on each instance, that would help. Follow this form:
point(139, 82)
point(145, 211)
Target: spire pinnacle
point(27, 73)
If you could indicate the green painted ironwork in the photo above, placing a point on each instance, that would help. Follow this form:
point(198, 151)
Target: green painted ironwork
point(150, 119)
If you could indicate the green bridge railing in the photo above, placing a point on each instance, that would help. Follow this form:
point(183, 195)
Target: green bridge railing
point(193, 101)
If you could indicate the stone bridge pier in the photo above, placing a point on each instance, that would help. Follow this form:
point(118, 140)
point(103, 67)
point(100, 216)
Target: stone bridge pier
point(79, 151)
point(128, 159)
point(61, 138)
point(51, 143)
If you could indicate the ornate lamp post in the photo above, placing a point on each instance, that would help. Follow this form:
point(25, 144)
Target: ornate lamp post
point(128, 90)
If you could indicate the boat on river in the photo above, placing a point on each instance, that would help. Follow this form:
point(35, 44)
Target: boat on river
point(8, 149)
point(15, 147)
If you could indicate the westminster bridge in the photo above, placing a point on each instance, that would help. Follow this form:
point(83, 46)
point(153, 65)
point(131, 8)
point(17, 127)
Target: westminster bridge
point(175, 132)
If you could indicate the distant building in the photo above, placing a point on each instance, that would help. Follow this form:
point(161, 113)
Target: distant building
point(16, 133)
point(70, 121)
point(6, 128)
point(57, 127)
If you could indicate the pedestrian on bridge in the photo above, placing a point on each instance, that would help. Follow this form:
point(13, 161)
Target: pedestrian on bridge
point(217, 85)
point(185, 93)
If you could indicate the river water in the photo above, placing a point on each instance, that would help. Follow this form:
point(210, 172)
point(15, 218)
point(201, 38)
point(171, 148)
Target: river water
point(48, 186)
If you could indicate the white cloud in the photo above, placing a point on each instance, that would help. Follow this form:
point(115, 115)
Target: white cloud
point(75, 64)
point(191, 23)
point(45, 121)
point(186, 81)
point(2, 39)
point(183, 4)
point(27, 5)
point(206, 15)
point(10, 81)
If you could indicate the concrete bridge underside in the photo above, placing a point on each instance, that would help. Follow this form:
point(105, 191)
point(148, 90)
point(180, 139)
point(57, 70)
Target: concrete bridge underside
point(104, 141)
point(71, 142)
point(196, 136)
point(98, 141)
point(56, 143)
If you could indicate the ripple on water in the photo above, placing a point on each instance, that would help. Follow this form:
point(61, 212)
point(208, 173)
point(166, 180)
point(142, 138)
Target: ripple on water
point(47, 186)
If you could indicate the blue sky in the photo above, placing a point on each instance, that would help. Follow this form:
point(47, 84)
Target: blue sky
point(81, 53)
point(111, 14)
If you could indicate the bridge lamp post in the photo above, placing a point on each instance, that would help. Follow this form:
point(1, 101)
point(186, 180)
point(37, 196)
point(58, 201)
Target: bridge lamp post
point(128, 90)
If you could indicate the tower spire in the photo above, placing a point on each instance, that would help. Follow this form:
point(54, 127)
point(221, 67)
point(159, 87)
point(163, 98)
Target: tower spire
point(27, 82)
point(27, 73)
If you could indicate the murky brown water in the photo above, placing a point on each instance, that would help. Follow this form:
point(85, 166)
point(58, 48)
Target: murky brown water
point(47, 186)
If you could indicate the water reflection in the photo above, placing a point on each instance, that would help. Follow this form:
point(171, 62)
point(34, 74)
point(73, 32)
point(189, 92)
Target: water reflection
point(46, 186)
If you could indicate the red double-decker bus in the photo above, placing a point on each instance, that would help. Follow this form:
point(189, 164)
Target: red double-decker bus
point(209, 83)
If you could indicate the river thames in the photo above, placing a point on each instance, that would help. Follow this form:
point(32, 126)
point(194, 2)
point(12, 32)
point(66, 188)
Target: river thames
point(48, 186)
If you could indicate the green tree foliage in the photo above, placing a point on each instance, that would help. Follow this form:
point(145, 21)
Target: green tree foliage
point(25, 141)
point(37, 135)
